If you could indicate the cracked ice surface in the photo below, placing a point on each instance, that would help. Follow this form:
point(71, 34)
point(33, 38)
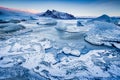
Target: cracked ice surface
point(47, 54)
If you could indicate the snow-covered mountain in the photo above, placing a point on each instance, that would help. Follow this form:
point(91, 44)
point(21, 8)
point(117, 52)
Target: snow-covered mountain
point(9, 13)
point(105, 18)
point(56, 14)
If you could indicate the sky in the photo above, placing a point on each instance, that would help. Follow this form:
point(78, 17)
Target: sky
point(75, 7)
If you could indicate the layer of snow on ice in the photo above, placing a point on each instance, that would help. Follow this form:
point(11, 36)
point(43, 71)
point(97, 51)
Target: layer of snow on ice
point(36, 54)
point(71, 28)
point(10, 27)
point(46, 43)
point(103, 33)
point(117, 45)
point(79, 23)
point(33, 57)
point(68, 50)
point(47, 21)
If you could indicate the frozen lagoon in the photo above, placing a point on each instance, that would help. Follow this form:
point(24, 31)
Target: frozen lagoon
point(48, 53)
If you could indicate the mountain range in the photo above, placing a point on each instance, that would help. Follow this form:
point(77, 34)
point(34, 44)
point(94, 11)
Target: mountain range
point(10, 13)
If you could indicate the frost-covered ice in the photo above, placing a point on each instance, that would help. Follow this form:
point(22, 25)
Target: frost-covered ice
point(71, 28)
point(10, 27)
point(68, 50)
point(49, 54)
point(47, 21)
point(117, 45)
point(79, 23)
point(95, 64)
point(104, 33)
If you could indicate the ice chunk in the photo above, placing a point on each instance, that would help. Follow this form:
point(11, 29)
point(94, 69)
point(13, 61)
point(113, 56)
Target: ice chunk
point(37, 47)
point(61, 26)
point(5, 50)
point(71, 28)
point(117, 45)
point(4, 21)
point(79, 23)
point(75, 52)
point(7, 62)
point(32, 60)
point(46, 43)
point(16, 47)
point(10, 27)
point(49, 57)
point(68, 50)
point(47, 21)
point(14, 21)
point(103, 33)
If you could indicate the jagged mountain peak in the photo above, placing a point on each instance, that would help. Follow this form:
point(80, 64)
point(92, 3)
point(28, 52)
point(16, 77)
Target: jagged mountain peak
point(56, 14)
